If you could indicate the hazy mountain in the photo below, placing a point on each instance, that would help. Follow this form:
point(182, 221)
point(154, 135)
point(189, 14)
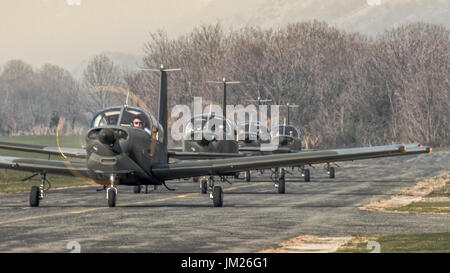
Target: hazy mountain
point(41, 31)
point(366, 16)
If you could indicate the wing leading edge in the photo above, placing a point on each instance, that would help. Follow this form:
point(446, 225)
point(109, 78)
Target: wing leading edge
point(230, 165)
point(50, 150)
point(42, 165)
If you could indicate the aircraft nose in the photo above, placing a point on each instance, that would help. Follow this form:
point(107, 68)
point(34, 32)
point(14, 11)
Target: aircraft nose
point(106, 136)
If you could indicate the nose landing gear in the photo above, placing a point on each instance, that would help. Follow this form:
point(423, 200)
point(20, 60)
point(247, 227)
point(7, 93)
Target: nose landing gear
point(37, 193)
point(111, 192)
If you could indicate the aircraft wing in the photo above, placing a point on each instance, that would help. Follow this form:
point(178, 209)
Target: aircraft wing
point(42, 165)
point(50, 150)
point(194, 155)
point(186, 169)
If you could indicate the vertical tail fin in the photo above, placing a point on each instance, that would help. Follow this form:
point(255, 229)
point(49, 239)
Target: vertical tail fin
point(163, 112)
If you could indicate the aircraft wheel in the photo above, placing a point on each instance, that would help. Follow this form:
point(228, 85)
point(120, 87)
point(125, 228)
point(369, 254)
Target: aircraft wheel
point(281, 185)
point(217, 196)
point(111, 198)
point(34, 196)
point(247, 176)
point(195, 179)
point(332, 172)
point(137, 189)
point(204, 186)
point(307, 178)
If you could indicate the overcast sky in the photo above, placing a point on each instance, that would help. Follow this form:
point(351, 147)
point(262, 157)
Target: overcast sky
point(67, 32)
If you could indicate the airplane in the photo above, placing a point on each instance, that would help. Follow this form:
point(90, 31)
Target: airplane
point(288, 139)
point(204, 134)
point(118, 153)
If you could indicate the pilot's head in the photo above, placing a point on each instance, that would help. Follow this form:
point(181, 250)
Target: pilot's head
point(138, 123)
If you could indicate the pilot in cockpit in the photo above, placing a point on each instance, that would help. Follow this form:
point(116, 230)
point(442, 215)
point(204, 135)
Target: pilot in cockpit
point(138, 122)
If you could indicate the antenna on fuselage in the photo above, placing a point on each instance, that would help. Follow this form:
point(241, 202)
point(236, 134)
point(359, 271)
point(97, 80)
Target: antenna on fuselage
point(126, 100)
point(163, 104)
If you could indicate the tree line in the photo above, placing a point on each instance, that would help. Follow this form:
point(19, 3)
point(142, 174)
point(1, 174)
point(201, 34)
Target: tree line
point(351, 89)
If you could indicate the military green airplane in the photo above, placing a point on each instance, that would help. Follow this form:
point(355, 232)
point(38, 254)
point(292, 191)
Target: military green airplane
point(122, 150)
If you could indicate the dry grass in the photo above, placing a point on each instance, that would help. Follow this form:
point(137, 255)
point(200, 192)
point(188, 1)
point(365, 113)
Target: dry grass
point(416, 194)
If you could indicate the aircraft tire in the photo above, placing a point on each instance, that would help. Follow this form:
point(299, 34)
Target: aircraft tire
point(217, 196)
point(281, 185)
point(34, 197)
point(332, 171)
point(204, 186)
point(111, 198)
point(195, 179)
point(137, 189)
point(307, 176)
point(247, 176)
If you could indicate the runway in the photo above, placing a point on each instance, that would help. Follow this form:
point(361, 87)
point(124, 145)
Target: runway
point(254, 217)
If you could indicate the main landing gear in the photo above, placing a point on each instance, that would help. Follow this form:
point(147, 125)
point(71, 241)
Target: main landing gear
point(278, 177)
point(247, 176)
point(216, 192)
point(330, 170)
point(305, 173)
point(37, 193)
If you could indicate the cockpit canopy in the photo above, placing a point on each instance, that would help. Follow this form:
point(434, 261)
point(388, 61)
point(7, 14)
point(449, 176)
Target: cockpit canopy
point(209, 124)
point(253, 131)
point(287, 130)
point(124, 116)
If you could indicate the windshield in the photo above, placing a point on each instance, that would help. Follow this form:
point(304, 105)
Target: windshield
point(209, 124)
point(118, 116)
point(106, 117)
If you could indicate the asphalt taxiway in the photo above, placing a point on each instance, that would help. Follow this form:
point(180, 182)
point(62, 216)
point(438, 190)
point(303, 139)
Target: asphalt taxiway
point(254, 216)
